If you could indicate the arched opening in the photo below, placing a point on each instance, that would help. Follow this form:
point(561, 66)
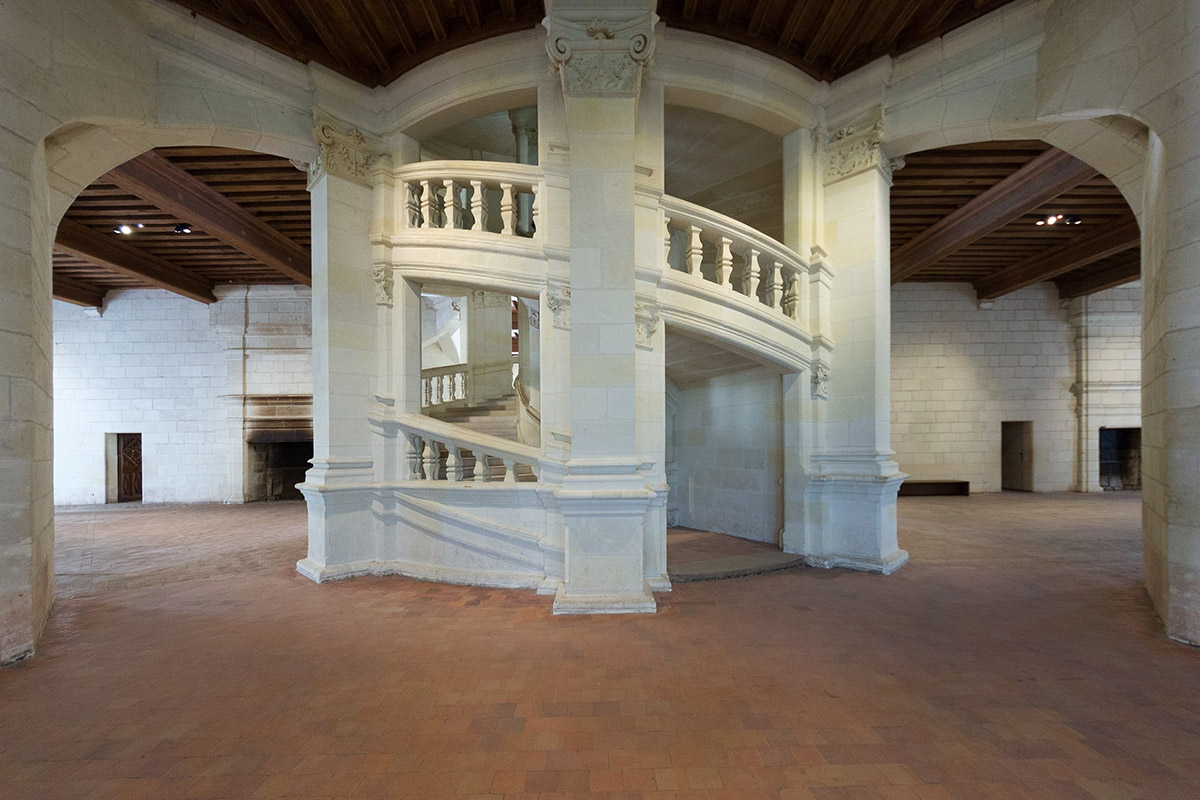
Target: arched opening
point(182, 365)
point(1016, 347)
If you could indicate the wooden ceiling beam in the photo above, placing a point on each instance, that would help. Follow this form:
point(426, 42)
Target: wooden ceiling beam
point(436, 25)
point(757, 18)
point(1085, 248)
point(111, 253)
point(689, 9)
point(723, 12)
point(509, 9)
point(282, 23)
point(1041, 180)
point(77, 292)
point(331, 34)
point(176, 191)
point(368, 30)
point(1098, 281)
point(471, 7)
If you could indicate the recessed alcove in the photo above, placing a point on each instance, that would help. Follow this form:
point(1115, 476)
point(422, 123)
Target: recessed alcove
point(1121, 459)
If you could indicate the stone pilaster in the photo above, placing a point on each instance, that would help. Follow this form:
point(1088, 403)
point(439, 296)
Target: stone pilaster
point(854, 475)
point(346, 292)
point(599, 52)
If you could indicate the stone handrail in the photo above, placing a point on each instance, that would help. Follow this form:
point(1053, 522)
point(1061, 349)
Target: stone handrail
point(443, 385)
point(529, 419)
point(425, 437)
point(739, 258)
point(485, 196)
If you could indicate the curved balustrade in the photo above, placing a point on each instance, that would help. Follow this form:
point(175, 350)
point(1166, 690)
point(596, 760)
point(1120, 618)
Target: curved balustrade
point(735, 257)
point(482, 196)
point(442, 451)
point(443, 385)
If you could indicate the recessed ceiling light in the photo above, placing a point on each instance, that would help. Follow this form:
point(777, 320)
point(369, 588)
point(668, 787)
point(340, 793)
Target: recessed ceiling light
point(183, 227)
point(124, 230)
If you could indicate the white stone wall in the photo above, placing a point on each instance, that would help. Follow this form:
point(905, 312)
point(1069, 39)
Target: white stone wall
point(173, 370)
point(728, 452)
point(958, 371)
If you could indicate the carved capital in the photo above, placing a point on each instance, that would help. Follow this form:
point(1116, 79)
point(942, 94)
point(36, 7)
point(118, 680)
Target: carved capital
point(645, 324)
point(344, 151)
point(853, 149)
point(482, 299)
point(558, 300)
point(384, 281)
point(820, 380)
point(600, 57)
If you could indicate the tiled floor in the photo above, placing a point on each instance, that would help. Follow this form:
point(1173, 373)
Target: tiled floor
point(1016, 656)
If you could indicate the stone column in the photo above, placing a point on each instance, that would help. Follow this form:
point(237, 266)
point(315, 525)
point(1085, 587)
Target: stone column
point(337, 488)
point(1087, 460)
point(599, 53)
point(524, 128)
point(489, 345)
point(855, 478)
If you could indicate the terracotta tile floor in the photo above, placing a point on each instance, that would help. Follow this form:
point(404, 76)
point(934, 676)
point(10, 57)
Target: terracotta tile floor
point(1016, 657)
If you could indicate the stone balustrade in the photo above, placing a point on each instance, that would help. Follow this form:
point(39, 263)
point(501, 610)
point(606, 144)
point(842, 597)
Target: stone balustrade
point(481, 196)
point(441, 451)
point(441, 386)
point(735, 257)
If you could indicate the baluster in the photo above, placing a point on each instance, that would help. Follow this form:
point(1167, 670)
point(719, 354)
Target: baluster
point(478, 209)
point(430, 459)
point(458, 205)
point(483, 470)
point(535, 211)
point(666, 243)
point(750, 271)
point(431, 203)
point(414, 205)
point(791, 297)
point(427, 385)
point(412, 456)
point(441, 389)
point(774, 284)
point(508, 210)
point(454, 467)
point(510, 471)
point(724, 262)
point(695, 250)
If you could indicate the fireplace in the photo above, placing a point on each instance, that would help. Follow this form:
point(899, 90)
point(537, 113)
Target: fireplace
point(1120, 459)
point(279, 444)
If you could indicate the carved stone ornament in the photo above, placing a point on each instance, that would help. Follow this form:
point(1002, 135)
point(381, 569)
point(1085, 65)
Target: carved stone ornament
point(484, 299)
point(343, 151)
point(559, 303)
point(820, 380)
point(852, 149)
point(600, 56)
point(383, 284)
point(645, 324)
point(535, 318)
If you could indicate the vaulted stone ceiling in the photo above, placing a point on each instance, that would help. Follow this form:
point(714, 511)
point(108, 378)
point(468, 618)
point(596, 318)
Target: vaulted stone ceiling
point(376, 41)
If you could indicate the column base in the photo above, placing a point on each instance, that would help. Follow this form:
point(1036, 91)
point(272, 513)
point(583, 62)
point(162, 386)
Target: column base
point(882, 566)
point(566, 602)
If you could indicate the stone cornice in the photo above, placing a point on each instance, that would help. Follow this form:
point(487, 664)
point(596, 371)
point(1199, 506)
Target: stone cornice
point(344, 150)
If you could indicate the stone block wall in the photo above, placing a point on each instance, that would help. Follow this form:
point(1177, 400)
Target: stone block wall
point(728, 451)
point(959, 371)
point(175, 371)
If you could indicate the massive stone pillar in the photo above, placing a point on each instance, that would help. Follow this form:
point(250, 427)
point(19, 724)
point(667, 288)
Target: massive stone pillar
point(489, 345)
point(855, 478)
point(26, 478)
point(337, 488)
point(599, 52)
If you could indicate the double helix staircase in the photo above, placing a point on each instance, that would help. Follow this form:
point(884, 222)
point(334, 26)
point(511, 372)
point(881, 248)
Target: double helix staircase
point(497, 417)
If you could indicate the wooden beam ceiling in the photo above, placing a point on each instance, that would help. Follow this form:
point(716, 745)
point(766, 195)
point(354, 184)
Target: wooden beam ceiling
point(1041, 180)
point(153, 178)
point(110, 252)
point(1078, 252)
point(941, 184)
point(77, 292)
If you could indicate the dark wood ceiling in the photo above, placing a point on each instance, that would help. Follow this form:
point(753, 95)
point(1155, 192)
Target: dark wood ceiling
point(934, 184)
point(267, 187)
point(376, 41)
point(370, 41)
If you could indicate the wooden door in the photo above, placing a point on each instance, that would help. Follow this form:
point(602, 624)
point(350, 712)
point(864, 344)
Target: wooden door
point(1016, 456)
point(129, 467)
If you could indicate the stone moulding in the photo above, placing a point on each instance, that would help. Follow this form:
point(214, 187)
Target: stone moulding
point(600, 57)
point(855, 148)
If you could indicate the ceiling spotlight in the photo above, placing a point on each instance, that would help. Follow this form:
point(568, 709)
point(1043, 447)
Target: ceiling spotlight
point(140, 225)
point(183, 227)
point(1040, 222)
point(1073, 219)
point(124, 230)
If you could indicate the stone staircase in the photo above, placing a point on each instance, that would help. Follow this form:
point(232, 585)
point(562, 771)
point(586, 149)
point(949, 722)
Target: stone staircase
point(494, 417)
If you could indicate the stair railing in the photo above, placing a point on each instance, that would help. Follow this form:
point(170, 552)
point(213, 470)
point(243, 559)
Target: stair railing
point(425, 438)
point(479, 196)
point(441, 386)
point(529, 419)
